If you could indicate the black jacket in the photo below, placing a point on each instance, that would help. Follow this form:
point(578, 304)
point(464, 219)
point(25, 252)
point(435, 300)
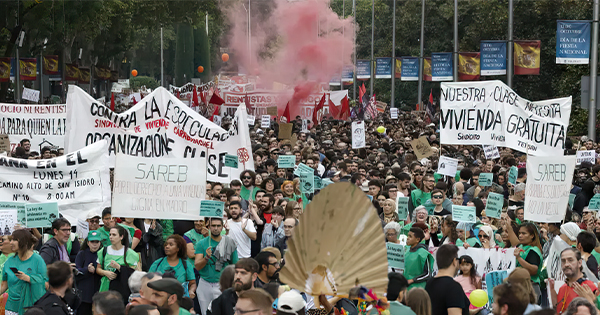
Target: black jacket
point(223, 305)
point(52, 304)
point(50, 252)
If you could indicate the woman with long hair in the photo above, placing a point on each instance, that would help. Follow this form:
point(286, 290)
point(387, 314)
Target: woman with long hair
point(116, 262)
point(449, 233)
point(293, 209)
point(468, 277)
point(389, 213)
point(529, 251)
point(88, 281)
point(176, 265)
point(268, 185)
point(418, 300)
point(25, 274)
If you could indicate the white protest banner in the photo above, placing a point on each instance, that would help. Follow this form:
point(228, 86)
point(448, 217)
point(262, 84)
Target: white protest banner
point(553, 265)
point(31, 95)
point(447, 166)
point(78, 181)
point(251, 120)
point(161, 188)
point(394, 113)
point(83, 228)
point(586, 156)
point(265, 121)
point(548, 187)
point(487, 259)
point(358, 134)
point(158, 126)
point(490, 113)
point(304, 125)
point(491, 152)
point(8, 220)
point(43, 125)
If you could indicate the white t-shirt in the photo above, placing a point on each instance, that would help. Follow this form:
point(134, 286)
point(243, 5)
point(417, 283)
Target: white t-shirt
point(239, 236)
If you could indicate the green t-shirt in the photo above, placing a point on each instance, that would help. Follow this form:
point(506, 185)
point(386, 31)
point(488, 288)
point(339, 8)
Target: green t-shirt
point(208, 273)
point(247, 195)
point(419, 197)
point(183, 312)
point(195, 237)
point(167, 226)
point(596, 255)
point(35, 265)
point(104, 234)
point(182, 274)
point(414, 263)
point(3, 259)
point(132, 260)
point(526, 249)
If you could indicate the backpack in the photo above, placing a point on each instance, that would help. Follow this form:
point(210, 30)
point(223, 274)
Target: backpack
point(171, 274)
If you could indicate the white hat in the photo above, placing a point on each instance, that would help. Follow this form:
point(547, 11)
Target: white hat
point(92, 214)
point(290, 302)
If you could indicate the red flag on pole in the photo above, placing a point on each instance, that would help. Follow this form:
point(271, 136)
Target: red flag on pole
point(345, 112)
point(112, 101)
point(195, 98)
point(315, 117)
point(431, 97)
point(286, 113)
point(216, 112)
point(216, 99)
point(333, 110)
point(134, 101)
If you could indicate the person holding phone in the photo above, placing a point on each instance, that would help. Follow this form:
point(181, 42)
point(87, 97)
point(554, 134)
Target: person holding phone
point(25, 274)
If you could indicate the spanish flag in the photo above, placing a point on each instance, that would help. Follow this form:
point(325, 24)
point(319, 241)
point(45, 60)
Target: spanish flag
point(398, 68)
point(28, 69)
point(50, 64)
point(84, 75)
point(468, 66)
point(527, 57)
point(4, 69)
point(427, 69)
point(71, 72)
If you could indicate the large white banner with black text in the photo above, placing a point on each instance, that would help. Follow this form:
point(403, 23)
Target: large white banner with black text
point(42, 125)
point(159, 125)
point(491, 113)
point(78, 181)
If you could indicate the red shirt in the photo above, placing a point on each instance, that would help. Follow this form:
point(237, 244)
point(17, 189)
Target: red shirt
point(566, 294)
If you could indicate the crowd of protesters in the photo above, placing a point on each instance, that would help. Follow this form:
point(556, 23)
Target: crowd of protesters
point(230, 265)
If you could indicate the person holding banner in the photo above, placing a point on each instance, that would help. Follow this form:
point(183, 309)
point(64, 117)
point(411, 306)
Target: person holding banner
point(529, 251)
point(117, 262)
point(25, 274)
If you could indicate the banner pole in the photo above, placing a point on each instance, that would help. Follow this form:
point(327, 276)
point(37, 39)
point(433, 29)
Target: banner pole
point(372, 62)
point(393, 53)
point(509, 46)
point(593, 74)
point(422, 40)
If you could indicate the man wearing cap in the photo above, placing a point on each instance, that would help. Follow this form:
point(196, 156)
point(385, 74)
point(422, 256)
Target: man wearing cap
point(166, 295)
point(245, 275)
point(291, 303)
point(93, 220)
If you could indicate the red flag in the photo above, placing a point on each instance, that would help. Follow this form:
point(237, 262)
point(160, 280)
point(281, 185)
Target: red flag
point(216, 99)
point(195, 98)
point(215, 113)
point(112, 101)
point(134, 101)
point(247, 102)
point(362, 90)
point(286, 113)
point(333, 110)
point(431, 97)
point(178, 93)
point(345, 112)
point(315, 117)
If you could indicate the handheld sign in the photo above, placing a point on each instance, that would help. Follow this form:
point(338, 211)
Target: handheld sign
point(430, 208)
point(494, 204)
point(318, 182)
point(586, 156)
point(447, 166)
point(265, 121)
point(491, 152)
point(485, 179)
point(272, 110)
point(286, 161)
point(83, 228)
point(8, 220)
point(571, 200)
point(307, 182)
point(4, 144)
point(303, 168)
point(594, 203)
point(512, 175)
point(41, 215)
point(395, 254)
point(358, 134)
point(231, 160)
point(285, 131)
point(421, 148)
point(548, 186)
point(402, 207)
point(463, 214)
point(20, 207)
point(251, 120)
point(211, 208)
point(394, 113)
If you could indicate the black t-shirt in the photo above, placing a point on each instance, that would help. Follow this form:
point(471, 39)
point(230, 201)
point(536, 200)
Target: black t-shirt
point(533, 258)
point(446, 293)
point(592, 264)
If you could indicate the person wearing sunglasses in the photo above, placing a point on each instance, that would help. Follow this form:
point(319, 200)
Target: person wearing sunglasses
point(248, 191)
point(438, 198)
point(486, 237)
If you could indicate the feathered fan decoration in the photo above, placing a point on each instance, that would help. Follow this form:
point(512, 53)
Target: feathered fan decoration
point(337, 245)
